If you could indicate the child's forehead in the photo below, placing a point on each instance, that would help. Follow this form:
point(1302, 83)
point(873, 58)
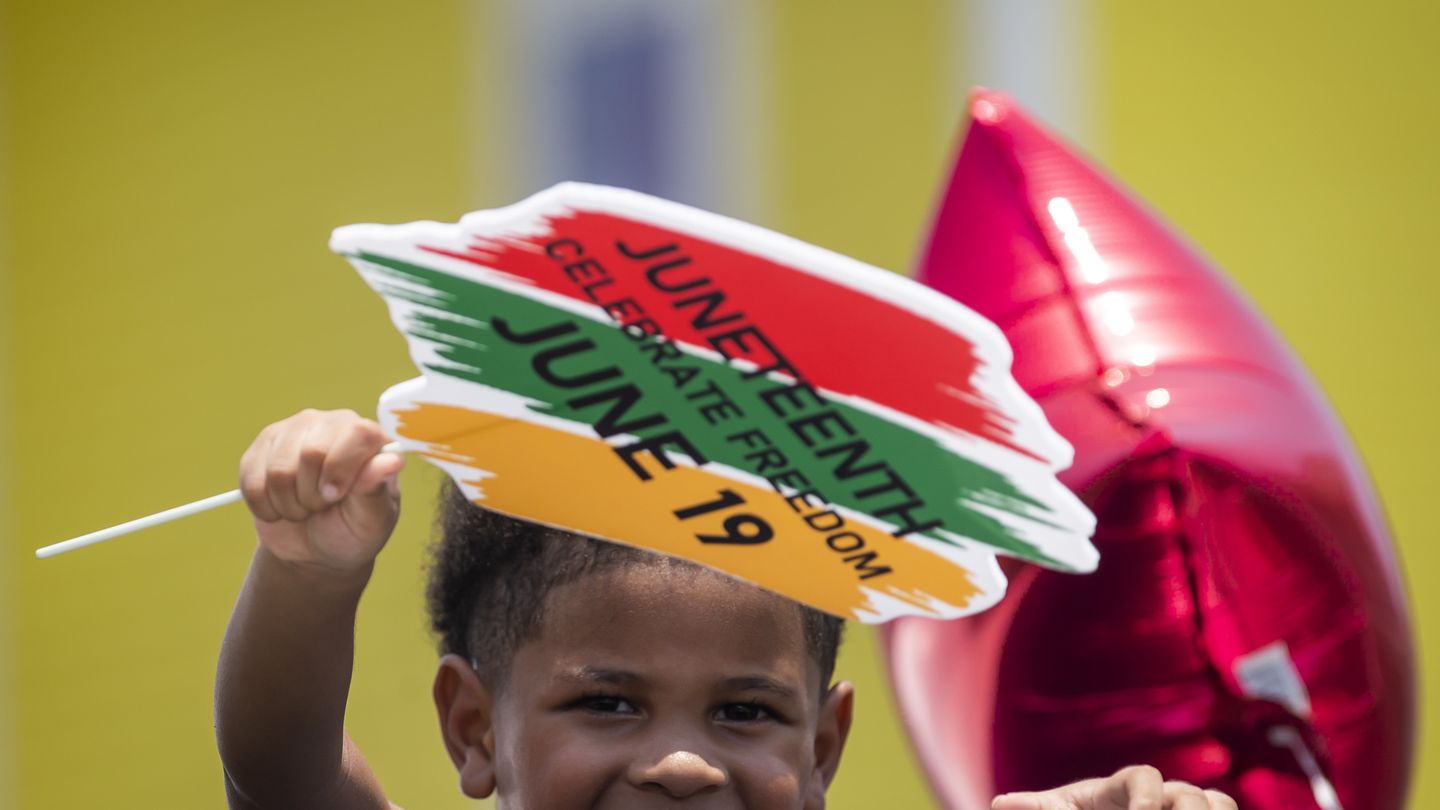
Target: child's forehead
point(671, 596)
point(645, 616)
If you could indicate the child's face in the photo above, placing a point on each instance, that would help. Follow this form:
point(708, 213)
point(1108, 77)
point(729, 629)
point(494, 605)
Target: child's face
point(645, 687)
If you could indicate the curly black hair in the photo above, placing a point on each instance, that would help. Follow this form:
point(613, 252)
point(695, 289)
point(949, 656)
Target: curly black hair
point(490, 575)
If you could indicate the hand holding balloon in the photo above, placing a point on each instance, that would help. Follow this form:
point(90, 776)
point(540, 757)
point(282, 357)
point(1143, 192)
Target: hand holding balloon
point(1139, 786)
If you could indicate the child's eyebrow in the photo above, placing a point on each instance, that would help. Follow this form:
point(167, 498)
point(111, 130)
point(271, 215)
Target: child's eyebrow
point(602, 675)
point(762, 683)
point(620, 677)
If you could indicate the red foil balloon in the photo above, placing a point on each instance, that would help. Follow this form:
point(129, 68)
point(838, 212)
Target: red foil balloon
point(1247, 628)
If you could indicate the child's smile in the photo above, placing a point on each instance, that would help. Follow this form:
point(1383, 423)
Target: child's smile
point(654, 686)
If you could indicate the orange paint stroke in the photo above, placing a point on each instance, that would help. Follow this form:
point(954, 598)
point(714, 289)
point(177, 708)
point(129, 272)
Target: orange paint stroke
point(578, 483)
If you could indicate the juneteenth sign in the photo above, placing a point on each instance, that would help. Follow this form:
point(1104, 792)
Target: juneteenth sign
point(636, 370)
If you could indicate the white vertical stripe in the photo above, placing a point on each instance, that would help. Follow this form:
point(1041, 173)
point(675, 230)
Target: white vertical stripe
point(725, 127)
point(708, 91)
point(1039, 51)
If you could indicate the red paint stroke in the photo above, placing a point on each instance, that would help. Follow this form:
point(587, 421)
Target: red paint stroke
point(863, 346)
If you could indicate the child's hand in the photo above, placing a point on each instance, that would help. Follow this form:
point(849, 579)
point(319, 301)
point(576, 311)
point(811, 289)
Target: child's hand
point(1139, 787)
point(321, 497)
point(324, 505)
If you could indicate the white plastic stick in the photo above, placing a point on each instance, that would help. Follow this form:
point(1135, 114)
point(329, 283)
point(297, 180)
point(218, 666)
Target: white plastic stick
point(184, 510)
point(192, 508)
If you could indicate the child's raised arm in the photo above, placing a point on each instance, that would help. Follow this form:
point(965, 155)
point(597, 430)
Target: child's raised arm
point(324, 504)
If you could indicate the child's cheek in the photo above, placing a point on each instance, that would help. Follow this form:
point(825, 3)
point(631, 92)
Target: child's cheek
point(554, 765)
point(772, 780)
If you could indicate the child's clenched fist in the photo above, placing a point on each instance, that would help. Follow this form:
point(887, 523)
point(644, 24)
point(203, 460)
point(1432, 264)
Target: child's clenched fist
point(322, 493)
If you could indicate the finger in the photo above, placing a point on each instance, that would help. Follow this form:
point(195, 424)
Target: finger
point(356, 443)
point(1019, 801)
point(378, 478)
point(373, 504)
point(282, 466)
point(252, 476)
point(1143, 785)
point(317, 443)
point(1088, 794)
point(1220, 801)
point(1185, 796)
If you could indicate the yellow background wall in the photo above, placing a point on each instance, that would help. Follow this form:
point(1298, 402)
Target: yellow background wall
point(172, 170)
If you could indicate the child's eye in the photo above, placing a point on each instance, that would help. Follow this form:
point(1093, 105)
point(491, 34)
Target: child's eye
point(605, 704)
point(744, 713)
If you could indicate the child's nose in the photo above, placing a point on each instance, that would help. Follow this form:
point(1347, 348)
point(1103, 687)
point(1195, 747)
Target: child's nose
point(678, 774)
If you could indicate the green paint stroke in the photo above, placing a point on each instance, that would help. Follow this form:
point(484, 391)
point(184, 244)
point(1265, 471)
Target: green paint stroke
point(455, 320)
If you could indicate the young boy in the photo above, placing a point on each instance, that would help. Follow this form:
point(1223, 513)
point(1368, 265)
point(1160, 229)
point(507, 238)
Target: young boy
point(575, 673)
